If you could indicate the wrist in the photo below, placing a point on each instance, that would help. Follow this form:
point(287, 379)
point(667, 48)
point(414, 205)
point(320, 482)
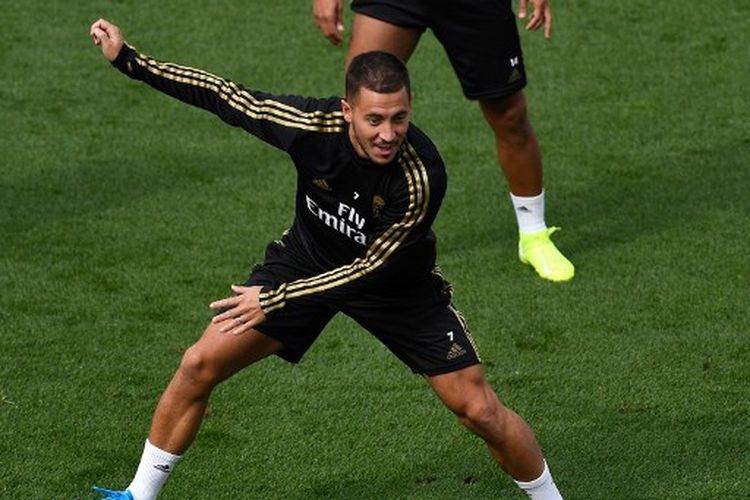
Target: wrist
point(123, 59)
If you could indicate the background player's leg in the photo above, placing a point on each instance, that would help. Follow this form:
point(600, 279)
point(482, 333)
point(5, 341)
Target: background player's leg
point(521, 160)
point(369, 34)
point(516, 143)
point(509, 438)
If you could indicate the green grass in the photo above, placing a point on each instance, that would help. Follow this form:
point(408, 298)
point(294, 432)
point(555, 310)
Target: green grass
point(124, 213)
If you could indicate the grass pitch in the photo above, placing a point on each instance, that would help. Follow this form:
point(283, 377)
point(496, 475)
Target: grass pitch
point(124, 213)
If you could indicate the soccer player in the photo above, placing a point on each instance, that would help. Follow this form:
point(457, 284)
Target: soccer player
point(369, 185)
point(482, 43)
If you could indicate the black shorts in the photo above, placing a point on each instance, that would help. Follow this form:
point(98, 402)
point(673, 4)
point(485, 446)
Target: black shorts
point(417, 323)
point(479, 36)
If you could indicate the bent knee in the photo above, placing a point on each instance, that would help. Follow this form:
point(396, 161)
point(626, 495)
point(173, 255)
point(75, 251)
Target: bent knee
point(480, 410)
point(482, 413)
point(197, 366)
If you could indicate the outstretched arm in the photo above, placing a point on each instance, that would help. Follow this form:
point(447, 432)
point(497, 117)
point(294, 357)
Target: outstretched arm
point(277, 120)
point(329, 16)
point(541, 16)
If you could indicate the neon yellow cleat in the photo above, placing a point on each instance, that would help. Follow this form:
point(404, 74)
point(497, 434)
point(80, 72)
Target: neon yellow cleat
point(538, 251)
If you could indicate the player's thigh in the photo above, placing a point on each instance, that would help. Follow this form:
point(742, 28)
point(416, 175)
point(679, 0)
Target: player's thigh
point(221, 355)
point(369, 33)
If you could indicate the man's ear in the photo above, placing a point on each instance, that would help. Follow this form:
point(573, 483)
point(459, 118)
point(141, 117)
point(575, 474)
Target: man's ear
point(347, 110)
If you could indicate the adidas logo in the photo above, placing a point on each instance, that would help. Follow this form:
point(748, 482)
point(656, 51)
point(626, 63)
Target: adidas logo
point(163, 467)
point(523, 209)
point(514, 76)
point(456, 351)
point(322, 184)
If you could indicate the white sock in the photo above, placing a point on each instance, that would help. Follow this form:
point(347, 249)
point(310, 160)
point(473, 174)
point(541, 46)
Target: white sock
point(153, 471)
point(541, 488)
point(529, 212)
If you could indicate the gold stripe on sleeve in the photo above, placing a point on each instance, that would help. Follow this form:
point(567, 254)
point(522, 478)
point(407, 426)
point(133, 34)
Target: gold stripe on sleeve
point(244, 101)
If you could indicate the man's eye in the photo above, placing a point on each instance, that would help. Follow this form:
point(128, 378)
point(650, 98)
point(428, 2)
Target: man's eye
point(373, 121)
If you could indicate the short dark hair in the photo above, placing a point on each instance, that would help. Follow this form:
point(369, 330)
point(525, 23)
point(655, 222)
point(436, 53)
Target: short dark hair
point(378, 71)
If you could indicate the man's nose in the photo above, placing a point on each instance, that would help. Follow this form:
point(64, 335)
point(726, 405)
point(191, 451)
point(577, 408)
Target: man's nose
point(387, 132)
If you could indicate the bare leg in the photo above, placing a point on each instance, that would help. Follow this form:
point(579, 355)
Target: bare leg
point(214, 358)
point(369, 34)
point(516, 143)
point(509, 438)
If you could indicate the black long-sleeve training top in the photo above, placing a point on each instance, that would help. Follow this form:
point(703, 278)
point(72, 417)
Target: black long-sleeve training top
point(358, 226)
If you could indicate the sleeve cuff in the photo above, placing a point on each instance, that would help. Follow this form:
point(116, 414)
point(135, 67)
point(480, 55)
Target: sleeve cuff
point(125, 60)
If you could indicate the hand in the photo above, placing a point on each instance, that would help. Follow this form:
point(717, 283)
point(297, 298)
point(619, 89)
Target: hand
point(242, 312)
point(108, 36)
point(542, 15)
point(329, 16)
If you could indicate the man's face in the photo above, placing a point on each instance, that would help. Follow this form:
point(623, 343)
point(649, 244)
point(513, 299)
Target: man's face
point(377, 123)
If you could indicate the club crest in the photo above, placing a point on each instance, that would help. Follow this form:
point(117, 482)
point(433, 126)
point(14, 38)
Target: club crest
point(378, 204)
